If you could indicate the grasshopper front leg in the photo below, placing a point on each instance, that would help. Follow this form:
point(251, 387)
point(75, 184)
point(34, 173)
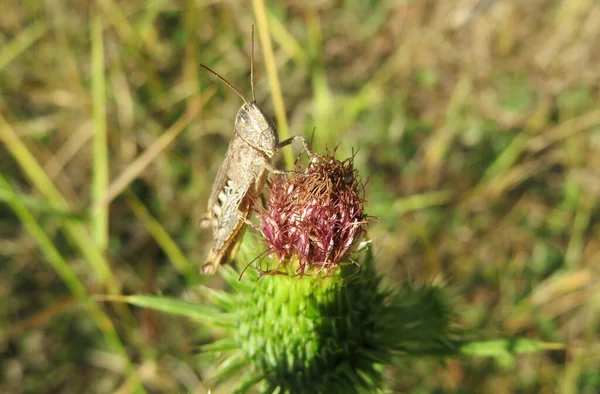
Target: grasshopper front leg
point(295, 138)
point(269, 167)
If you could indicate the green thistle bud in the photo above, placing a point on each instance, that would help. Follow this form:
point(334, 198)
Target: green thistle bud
point(308, 334)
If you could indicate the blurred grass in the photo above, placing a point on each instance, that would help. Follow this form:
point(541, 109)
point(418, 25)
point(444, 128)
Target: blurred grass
point(99, 218)
point(477, 128)
point(68, 276)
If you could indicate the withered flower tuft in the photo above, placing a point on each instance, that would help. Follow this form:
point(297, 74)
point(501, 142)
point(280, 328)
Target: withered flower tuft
point(317, 216)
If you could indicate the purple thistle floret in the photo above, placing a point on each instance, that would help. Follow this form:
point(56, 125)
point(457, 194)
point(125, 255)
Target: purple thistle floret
point(315, 217)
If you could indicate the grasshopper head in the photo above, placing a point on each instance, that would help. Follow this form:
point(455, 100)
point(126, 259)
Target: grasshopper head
point(255, 128)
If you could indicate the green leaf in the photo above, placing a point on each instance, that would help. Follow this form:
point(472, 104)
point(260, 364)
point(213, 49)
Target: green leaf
point(222, 345)
point(175, 306)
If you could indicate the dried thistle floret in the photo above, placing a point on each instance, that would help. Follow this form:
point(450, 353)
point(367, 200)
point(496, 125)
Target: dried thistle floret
point(315, 217)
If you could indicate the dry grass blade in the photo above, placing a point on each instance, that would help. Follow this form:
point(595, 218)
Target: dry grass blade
point(139, 165)
point(75, 230)
point(10, 51)
point(564, 130)
point(158, 232)
point(271, 65)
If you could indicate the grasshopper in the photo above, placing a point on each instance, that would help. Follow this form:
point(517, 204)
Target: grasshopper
point(242, 175)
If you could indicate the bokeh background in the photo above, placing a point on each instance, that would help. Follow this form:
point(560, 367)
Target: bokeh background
point(476, 126)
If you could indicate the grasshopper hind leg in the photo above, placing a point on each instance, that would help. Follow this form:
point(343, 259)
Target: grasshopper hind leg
point(219, 257)
point(212, 262)
point(209, 268)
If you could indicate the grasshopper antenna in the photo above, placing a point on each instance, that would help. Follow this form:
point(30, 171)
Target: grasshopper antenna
point(226, 82)
point(252, 66)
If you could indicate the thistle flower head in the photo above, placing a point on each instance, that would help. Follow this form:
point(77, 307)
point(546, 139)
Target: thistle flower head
point(331, 333)
point(316, 216)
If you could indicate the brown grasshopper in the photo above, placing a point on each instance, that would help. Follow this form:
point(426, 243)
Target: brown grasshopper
point(242, 175)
